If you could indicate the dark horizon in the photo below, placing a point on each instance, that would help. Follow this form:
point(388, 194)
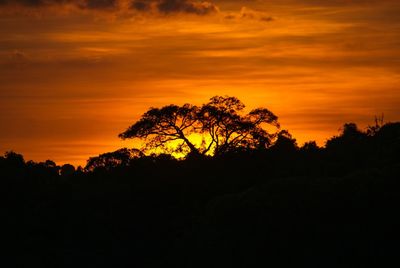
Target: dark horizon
point(376, 123)
point(60, 163)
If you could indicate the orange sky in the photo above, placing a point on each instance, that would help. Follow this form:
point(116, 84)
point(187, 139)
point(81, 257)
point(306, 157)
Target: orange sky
point(76, 73)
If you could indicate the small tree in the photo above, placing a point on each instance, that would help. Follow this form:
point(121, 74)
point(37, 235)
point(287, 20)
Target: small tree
point(379, 122)
point(107, 161)
point(67, 170)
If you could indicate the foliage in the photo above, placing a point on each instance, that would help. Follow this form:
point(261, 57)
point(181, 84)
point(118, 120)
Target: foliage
point(121, 157)
point(229, 130)
point(220, 122)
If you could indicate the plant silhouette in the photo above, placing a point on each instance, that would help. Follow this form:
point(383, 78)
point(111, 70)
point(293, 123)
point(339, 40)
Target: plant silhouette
point(219, 122)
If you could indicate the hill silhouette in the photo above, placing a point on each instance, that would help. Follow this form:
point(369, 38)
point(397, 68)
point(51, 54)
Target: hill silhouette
point(261, 202)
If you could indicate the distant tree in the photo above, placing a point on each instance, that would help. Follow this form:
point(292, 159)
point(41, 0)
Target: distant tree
point(387, 141)
point(349, 149)
point(351, 130)
point(379, 122)
point(12, 166)
point(310, 147)
point(121, 157)
point(67, 170)
point(285, 143)
point(50, 164)
point(43, 172)
point(350, 136)
point(310, 157)
point(219, 122)
point(14, 157)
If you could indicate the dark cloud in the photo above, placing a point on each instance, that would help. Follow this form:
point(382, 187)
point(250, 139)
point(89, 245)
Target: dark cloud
point(100, 4)
point(230, 17)
point(201, 8)
point(249, 14)
point(162, 6)
point(33, 3)
point(141, 5)
point(16, 59)
point(175, 6)
point(84, 4)
point(267, 19)
point(28, 2)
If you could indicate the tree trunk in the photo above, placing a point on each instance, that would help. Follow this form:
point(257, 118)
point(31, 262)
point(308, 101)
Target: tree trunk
point(193, 149)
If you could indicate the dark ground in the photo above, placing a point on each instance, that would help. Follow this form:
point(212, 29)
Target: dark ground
point(286, 206)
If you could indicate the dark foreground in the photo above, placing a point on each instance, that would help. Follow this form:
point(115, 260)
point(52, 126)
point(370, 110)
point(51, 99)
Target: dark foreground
point(287, 206)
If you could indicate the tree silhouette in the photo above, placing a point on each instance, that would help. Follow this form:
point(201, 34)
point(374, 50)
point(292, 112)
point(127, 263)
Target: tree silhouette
point(67, 170)
point(14, 159)
point(121, 157)
point(285, 143)
point(229, 130)
point(374, 129)
point(219, 122)
point(162, 126)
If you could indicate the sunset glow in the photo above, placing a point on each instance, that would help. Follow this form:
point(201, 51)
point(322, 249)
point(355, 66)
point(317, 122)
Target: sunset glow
point(75, 74)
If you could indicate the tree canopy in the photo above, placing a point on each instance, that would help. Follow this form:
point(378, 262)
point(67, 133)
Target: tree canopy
point(121, 157)
point(221, 125)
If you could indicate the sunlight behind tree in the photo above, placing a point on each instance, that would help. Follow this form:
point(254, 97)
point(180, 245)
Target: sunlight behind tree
point(215, 128)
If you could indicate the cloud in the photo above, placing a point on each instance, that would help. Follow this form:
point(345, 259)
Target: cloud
point(141, 5)
point(348, 2)
point(331, 3)
point(18, 55)
point(175, 6)
point(200, 8)
point(13, 60)
point(100, 4)
point(84, 4)
point(249, 14)
point(267, 19)
point(33, 3)
point(197, 7)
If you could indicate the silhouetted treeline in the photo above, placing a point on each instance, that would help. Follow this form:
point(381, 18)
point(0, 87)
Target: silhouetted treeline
point(285, 205)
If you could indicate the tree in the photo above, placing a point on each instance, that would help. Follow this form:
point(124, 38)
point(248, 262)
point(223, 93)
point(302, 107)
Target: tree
point(285, 144)
point(379, 122)
point(67, 170)
point(219, 122)
point(107, 161)
point(228, 130)
point(350, 137)
point(310, 147)
point(14, 158)
point(162, 126)
point(350, 148)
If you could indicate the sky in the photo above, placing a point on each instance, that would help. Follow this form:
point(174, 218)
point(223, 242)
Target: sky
point(76, 73)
